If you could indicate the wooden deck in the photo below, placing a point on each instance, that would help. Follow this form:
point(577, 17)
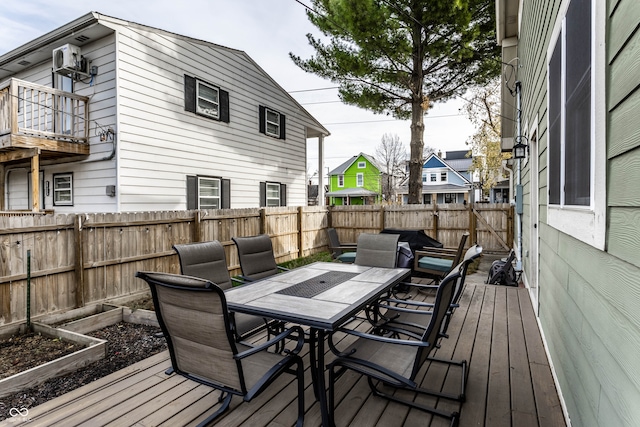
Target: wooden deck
point(509, 383)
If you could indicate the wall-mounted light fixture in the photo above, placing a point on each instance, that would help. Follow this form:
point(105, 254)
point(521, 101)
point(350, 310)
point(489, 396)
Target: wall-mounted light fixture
point(520, 149)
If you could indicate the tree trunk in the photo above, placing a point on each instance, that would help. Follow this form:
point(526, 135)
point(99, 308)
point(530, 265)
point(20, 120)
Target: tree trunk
point(417, 121)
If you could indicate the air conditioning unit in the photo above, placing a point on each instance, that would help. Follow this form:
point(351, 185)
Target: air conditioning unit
point(67, 59)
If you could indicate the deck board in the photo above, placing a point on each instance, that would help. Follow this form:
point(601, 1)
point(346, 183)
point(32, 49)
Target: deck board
point(509, 383)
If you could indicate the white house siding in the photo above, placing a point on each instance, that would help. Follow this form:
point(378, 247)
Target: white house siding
point(174, 143)
point(89, 177)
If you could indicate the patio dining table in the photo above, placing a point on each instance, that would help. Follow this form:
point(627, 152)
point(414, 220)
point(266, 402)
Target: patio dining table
point(322, 296)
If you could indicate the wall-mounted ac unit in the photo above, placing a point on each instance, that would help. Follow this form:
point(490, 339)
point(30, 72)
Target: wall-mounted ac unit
point(67, 59)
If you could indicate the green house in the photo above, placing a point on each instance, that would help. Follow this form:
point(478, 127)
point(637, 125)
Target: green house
point(355, 182)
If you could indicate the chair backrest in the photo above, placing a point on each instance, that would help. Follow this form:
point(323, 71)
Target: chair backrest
point(193, 316)
point(463, 241)
point(444, 297)
point(256, 256)
point(377, 250)
point(205, 260)
point(472, 253)
point(334, 242)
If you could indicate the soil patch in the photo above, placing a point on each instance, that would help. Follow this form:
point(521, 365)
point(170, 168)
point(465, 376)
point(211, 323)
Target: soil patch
point(127, 344)
point(26, 351)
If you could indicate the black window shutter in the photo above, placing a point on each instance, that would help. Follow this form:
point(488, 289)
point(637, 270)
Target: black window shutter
point(263, 194)
point(262, 119)
point(282, 131)
point(189, 93)
point(192, 192)
point(225, 202)
point(224, 106)
point(283, 194)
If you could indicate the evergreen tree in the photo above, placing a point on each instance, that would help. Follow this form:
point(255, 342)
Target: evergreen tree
point(399, 57)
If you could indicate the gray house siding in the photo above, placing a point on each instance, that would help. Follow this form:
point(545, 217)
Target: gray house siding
point(589, 300)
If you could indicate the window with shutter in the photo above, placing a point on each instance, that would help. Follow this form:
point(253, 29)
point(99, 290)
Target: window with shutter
point(271, 122)
point(206, 99)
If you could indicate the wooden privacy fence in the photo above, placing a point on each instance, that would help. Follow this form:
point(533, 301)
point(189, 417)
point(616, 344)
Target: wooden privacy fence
point(81, 259)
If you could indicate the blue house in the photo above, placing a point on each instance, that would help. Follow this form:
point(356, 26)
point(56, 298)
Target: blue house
point(442, 183)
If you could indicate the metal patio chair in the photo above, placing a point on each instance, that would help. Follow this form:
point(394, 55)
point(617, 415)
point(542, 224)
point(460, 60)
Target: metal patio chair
point(377, 250)
point(194, 318)
point(395, 362)
point(435, 263)
point(207, 260)
point(411, 317)
point(256, 256)
point(343, 252)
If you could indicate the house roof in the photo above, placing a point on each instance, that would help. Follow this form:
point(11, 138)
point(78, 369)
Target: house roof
point(351, 192)
point(343, 167)
point(93, 26)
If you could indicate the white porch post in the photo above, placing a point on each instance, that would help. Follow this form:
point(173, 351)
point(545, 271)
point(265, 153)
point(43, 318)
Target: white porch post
point(321, 197)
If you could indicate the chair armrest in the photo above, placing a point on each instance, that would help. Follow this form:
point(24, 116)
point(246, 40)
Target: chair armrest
point(236, 282)
point(345, 246)
point(282, 268)
point(384, 339)
point(436, 253)
point(294, 329)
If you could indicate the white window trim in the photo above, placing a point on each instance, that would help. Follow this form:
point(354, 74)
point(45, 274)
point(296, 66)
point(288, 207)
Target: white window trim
point(200, 178)
point(445, 176)
point(588, 223)
point(200, 110)
point(340, 180)
point(362, 165)
point(359, 180)
point(266, 196)
point(268, 122)
point(56, 191)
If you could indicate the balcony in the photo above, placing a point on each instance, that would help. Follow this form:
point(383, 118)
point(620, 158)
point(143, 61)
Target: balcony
point(41, 123)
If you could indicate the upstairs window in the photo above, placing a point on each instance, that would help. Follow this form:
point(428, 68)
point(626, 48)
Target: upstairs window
point(360, 180)
point(273, 194)
point(362, 165)
point(63, 189)
point(433, 177)
point(340, 180)
point(206, 99)
point(443, 176)
point(271, 122)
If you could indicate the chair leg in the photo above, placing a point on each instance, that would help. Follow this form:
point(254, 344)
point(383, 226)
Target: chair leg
point(300, 371)
point(225, 406)
point(453, 416)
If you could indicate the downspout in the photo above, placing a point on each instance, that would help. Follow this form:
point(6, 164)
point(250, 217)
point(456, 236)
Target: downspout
point(518, 176)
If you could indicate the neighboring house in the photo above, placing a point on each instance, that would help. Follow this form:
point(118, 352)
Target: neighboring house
point(574, 70)
point(441, 182)
point(355, 182)
point(105, 115)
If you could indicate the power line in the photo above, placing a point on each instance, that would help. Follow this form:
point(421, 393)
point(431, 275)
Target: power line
point(313, 90)
point(390, 120)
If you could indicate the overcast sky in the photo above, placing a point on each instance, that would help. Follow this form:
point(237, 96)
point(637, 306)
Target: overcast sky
point(267, 30)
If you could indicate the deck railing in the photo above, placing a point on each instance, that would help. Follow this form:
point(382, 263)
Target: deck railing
point(35, 110)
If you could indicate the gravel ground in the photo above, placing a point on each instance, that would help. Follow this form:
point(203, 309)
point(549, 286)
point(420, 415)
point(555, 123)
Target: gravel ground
point(127, 344)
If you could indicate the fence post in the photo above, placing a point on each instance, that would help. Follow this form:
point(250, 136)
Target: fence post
point(382, 218)
point(300, 233)
point(263, 221)
point(79, 267)
point(197, 226)
point(435, 220)
point(473, 232)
